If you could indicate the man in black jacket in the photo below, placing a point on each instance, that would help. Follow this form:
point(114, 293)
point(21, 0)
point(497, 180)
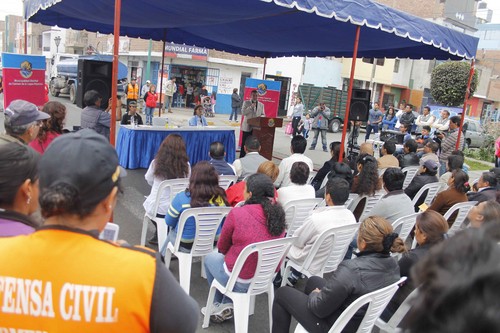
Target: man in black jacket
point(427, 175)
point(410, 157)
point(486, 188)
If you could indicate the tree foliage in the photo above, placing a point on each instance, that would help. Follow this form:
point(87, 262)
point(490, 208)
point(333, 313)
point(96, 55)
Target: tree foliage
point(449, 82)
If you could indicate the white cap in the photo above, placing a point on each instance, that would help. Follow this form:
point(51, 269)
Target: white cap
point(147, 81)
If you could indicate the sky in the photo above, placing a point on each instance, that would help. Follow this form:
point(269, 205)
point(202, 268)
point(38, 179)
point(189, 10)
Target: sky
point(15, 7)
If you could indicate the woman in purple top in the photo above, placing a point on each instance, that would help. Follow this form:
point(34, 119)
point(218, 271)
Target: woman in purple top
point(18, 189)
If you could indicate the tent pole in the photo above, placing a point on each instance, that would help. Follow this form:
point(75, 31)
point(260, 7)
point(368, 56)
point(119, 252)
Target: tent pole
point(114, 76)
point(25, 36)
point(162, 97)
point(467, 93)
point(264, 69)
point(349, 92)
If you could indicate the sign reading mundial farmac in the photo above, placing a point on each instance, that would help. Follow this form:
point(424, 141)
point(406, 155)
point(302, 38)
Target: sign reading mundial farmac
point(268, 93)
point(23, 78)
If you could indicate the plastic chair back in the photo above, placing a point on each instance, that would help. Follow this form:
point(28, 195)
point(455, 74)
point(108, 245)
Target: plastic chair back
point(463, 209)
point(208, 220)
point(296, 212)
point(371, 201)
point(377, 301)
point(312, 174)
point(404, 225)
point(270, 254)
point(432, 190)
point(342, 237)
point(227, 180)
point(325, 180)
point(411, 172)
point(392, 325)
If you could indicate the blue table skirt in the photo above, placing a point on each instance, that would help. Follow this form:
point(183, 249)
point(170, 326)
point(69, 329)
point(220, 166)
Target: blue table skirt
point(136, 148)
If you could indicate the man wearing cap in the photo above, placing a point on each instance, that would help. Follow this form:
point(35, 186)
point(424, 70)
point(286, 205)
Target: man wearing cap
point(131, 117)
point(72, 280)
point(92, 116)
point(132, 91)
point(427, 175)
point(320, 124)
point(22, 122)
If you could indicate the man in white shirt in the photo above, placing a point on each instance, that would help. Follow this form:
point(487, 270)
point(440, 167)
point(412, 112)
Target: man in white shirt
point(443, 123)
point(249, 164)
point(335, 214)
point(298, 146)
point(425, 119)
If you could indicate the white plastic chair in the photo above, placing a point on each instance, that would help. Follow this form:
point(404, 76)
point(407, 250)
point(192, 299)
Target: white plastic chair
point(377, 301)
point(463, 209)
point(392, 325)
point(270, 254)
point(208, 220)
point(174, 186)
point(296, 212)
point(110, 232)
point(227, 180)
point(334, 242)
point(404, 225)
point(371, 201)
point(432, 190)
point(325, 180)
point(312, 174)
point(353, 199)
point(411, 172)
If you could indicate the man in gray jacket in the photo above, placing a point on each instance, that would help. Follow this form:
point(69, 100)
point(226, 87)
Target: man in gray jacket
point(251, 108)
point(92, 116)
point(320, 124)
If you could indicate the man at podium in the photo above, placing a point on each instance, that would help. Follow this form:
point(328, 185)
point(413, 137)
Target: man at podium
point(251, 108)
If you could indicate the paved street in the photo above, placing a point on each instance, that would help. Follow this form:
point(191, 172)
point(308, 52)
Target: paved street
point(129, 211)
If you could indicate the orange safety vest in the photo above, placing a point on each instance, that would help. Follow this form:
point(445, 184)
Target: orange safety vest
point(133, 91)
point(65, 280)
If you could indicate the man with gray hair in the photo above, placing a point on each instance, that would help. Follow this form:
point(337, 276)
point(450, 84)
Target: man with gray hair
point(22, 122)
point(93, 116)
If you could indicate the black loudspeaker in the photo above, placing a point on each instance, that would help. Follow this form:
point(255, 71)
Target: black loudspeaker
point(360, 105)
point(94, 75)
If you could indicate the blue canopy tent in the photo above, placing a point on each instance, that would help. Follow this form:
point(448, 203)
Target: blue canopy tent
point(265, 28)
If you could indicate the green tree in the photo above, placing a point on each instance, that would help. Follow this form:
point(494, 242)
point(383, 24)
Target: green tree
point(449, 82)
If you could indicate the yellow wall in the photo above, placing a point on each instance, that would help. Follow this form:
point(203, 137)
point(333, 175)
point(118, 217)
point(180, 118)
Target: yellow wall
point(383, 74)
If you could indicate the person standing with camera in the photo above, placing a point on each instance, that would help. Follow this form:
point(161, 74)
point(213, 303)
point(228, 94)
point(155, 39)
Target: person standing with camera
point(320, 124)
point(251, 108)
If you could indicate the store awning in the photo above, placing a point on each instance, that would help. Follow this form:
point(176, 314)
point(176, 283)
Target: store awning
point(265, 28)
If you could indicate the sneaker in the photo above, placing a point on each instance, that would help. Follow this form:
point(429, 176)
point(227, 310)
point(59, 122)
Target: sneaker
point(312, 148)
point(220, 312)
point(325, 150)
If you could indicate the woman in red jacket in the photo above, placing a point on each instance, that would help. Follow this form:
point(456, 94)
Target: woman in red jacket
point(51, 128)
point(259, 219)
point(151, 97)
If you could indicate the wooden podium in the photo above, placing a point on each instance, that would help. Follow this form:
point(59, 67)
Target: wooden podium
point(263, 129)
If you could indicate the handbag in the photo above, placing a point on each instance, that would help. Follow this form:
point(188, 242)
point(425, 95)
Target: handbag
point(289, 129)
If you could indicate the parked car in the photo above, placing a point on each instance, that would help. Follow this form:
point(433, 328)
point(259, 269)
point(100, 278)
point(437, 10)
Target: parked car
point(475, 136)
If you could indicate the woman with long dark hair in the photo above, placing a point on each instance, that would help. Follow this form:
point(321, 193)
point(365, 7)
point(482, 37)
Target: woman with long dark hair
point(259, 219)
point(324, 300)
point(390, 119)
point(171, 162)
point(51, 128)
point(18, 189)
point(458, 186)
point(203, 191)
point(367, 182)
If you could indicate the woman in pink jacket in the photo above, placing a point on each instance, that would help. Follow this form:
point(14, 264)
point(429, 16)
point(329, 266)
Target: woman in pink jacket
point(259, 219)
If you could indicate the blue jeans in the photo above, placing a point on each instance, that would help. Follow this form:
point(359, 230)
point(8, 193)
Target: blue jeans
point(172, 235)
point(235, 112)
point(149, 115)
point(168, 102)
point(214, 267)
point(442, 168)
point(369, 129)
point(315, 139)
